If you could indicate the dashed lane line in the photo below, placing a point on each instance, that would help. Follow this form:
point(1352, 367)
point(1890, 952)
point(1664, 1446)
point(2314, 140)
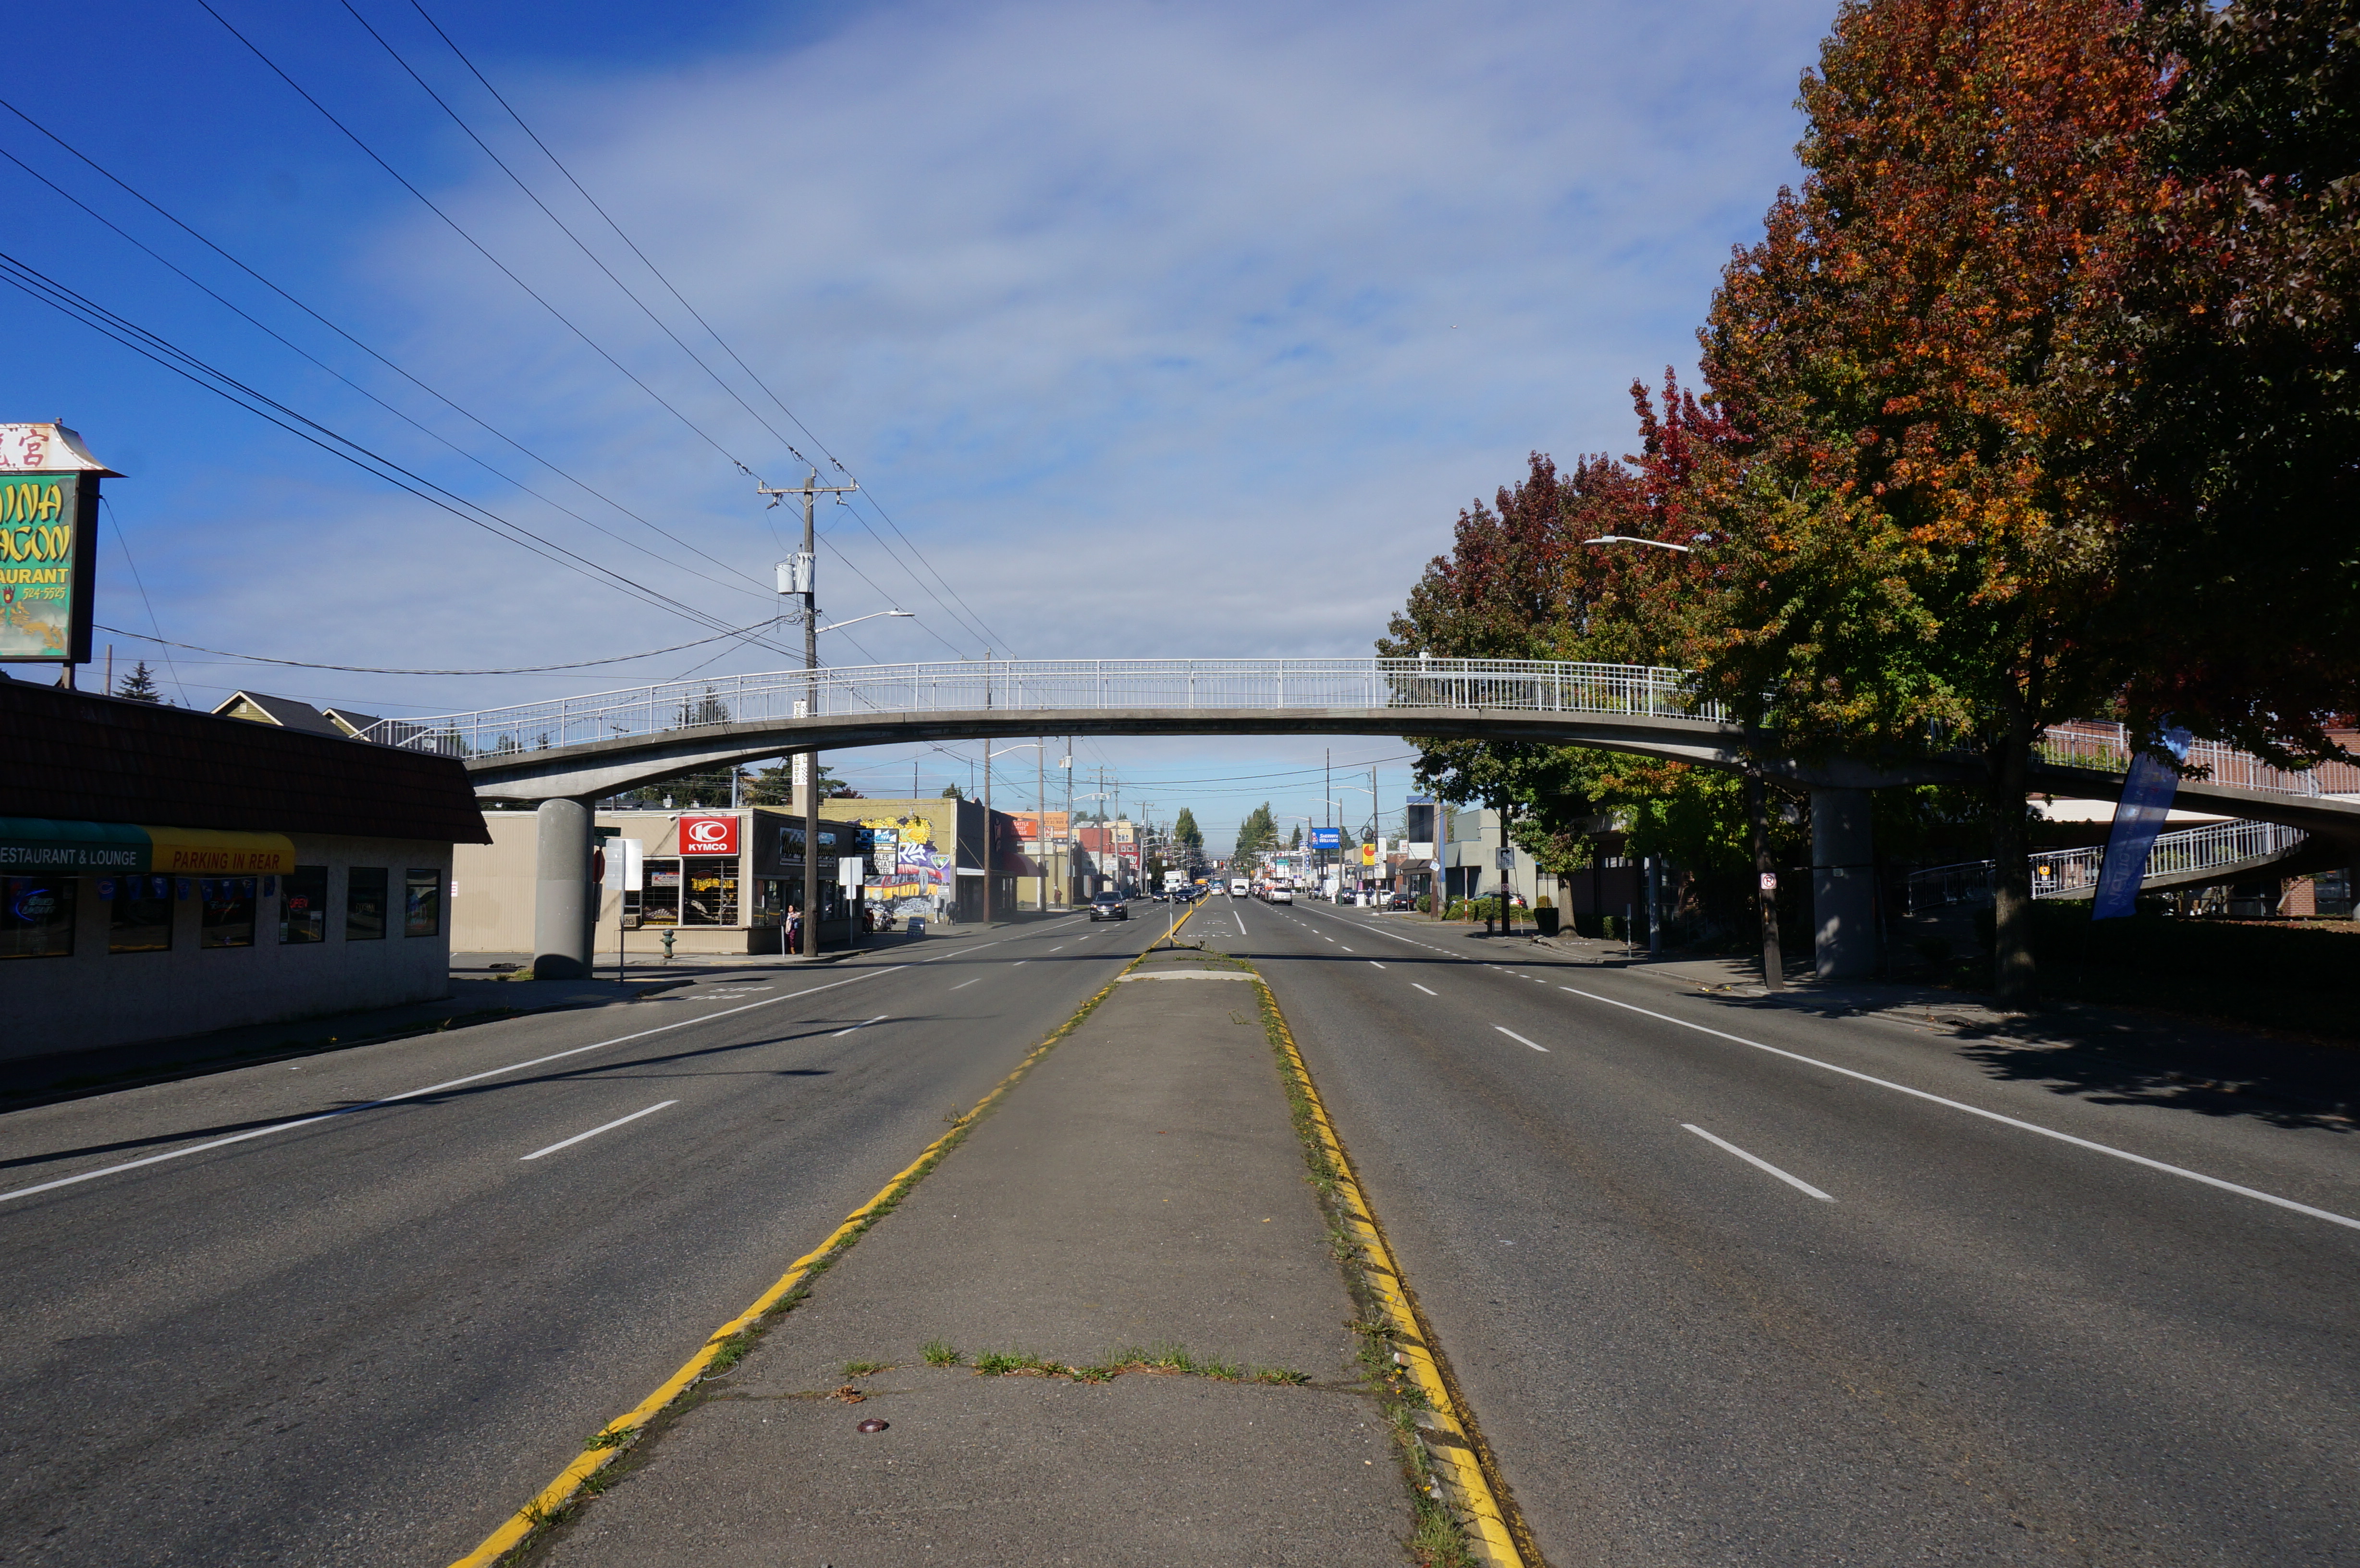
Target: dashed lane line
point(430, 1088)
point(595, 1131)
point(1794, 1181)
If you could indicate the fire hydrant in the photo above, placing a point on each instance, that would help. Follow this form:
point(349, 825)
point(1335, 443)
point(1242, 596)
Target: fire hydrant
point(667, 941)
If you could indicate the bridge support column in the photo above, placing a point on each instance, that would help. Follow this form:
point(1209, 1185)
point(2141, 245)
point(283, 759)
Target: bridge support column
point(563, 907)
point(1843, 884)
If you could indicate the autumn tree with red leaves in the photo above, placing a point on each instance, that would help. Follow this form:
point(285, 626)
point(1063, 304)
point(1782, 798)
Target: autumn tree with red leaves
point(1910, 548)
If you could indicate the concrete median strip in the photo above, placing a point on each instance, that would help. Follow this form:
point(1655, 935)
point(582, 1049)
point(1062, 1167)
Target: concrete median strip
point(729, 1342)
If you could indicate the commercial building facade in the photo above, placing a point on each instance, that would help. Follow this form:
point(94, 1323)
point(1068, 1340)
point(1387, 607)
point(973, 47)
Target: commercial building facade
point(166, 873)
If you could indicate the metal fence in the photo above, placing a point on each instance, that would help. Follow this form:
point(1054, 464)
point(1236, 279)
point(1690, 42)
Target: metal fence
point(2074, 873)
point(1059, 685)
point(2107, 748)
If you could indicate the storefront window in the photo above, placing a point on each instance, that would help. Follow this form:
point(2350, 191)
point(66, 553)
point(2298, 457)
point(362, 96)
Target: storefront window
point(710, 897)
point(659, 905)
point(36, 916)
point(228, 911)
point(770, 902)
point(304, 905)
point(365, 903)
point(421, 903)
point(139, 914)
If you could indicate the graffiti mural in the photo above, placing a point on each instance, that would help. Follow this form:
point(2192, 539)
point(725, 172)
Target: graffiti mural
point(912, 876)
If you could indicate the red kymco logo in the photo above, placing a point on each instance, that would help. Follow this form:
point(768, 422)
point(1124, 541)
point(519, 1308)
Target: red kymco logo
point(708, 835)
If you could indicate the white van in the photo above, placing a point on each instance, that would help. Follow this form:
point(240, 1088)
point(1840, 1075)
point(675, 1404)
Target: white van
point(1237, 888)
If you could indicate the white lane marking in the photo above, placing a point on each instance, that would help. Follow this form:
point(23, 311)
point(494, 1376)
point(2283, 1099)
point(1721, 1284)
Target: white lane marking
point(1347, 949)
point(1020, 964)
point(595, 1131)
point(1422, 988)
point(1519, 1039)
point(965, 983)
point(861, 1025)
point(1059, 948)
point(1794, 1181)
point(430, 1088)
point(1988, 1115)
point(1374, 965)
point(1241, 921)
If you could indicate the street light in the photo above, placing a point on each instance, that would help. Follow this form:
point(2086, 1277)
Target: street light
point(1634, 538)
point(856, 620)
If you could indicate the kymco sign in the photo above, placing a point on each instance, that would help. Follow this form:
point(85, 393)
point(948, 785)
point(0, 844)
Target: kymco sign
point(708, 835)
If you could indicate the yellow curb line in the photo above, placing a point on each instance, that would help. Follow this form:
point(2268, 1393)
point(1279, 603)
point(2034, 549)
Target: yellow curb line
point(1449, 1448)
point(561, 1491)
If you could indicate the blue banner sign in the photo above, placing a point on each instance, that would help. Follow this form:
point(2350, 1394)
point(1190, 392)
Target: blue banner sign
point(2139, 815)
point(1327, 838)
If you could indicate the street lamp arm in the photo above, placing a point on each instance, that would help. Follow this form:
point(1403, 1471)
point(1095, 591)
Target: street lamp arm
point(1634, 538)
point(837, 625)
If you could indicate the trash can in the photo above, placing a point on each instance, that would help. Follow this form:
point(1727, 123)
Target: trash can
point(1546, 921)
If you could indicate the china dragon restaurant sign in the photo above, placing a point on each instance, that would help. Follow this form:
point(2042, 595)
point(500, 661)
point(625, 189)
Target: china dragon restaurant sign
point(48, 539)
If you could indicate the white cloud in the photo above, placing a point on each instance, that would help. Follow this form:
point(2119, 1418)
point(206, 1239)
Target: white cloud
point(1163, 329)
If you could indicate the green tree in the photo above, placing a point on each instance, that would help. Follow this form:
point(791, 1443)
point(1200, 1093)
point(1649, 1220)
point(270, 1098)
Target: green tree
point(1908, 547)
point(951, 792)
point(1185, 832)
point(776, 785)
point(1256, 836)
point(2239, 434)
point(139, 686)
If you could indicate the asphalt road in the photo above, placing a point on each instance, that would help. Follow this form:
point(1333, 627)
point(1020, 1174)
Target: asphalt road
point(369, 1337)
point(1911, 1332)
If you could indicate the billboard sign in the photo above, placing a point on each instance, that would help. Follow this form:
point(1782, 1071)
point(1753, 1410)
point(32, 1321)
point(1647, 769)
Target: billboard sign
point(49, 540)
point(708, 835)
point(1327, 838)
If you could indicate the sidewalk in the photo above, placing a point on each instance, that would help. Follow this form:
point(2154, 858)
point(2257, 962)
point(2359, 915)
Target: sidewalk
point(1138, 1196)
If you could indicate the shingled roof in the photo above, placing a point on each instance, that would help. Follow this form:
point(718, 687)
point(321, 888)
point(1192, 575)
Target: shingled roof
point(80, 756)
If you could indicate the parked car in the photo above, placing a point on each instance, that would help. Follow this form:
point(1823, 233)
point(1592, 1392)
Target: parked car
point(1401, 901)
point(1109, 906)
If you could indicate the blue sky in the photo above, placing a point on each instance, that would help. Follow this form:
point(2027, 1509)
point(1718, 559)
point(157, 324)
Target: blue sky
point(1157, 330)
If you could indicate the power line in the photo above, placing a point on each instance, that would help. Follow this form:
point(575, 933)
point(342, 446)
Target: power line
point(398, 413)
point(971, 621)
point(390, 365)
point(476, 244)
point(39, 286)
point(372, 669)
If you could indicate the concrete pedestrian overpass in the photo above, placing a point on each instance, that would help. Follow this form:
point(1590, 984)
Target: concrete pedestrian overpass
point(567, 753)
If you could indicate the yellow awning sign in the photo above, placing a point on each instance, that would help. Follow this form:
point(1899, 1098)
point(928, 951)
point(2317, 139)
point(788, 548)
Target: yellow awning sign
point(206, 852)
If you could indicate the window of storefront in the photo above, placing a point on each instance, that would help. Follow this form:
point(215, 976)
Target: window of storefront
point(365, 903)
point(228, 918)
point(659, 904)
point(139, 914)
point(304, 905)
point(709, 895)
point(36, 916)
point(770, 902)
point(421, 903)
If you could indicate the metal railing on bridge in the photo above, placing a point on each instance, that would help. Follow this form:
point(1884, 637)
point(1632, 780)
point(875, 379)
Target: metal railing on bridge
point(1058, 685)
point(2074, 873)
point(2106, 749)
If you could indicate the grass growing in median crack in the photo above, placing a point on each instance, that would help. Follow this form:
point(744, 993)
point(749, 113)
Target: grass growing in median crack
point(941, 1353)
point(863, 1368)
point(1167, 1360)
point(1437, 1540)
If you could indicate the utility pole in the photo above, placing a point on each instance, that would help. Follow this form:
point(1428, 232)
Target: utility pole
point(800, 576)
point(1041, 828)
point(1774, 965)
point(1066, 864)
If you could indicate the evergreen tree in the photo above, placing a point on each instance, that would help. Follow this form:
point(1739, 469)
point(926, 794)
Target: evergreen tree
point(139, 686)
